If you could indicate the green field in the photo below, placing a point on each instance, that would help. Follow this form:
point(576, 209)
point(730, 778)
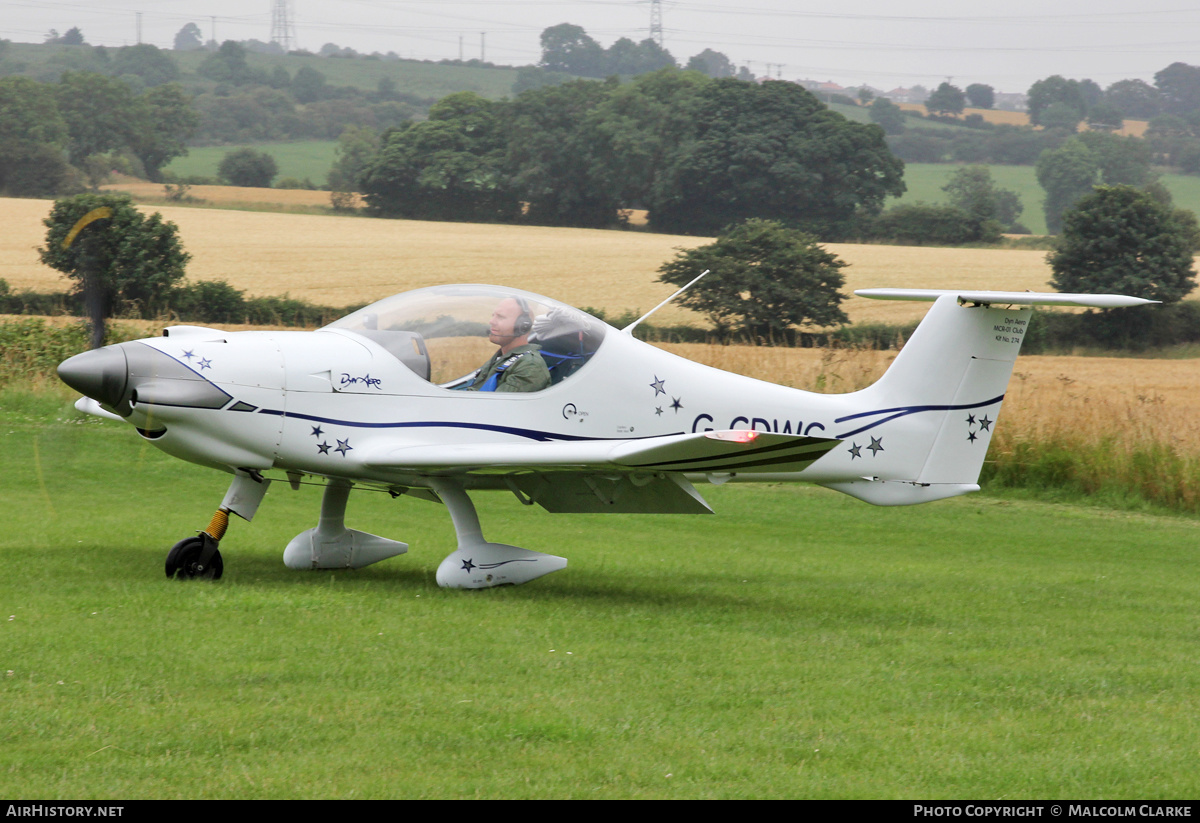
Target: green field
point(925, 181)
point(422, 79)
point(309, 160)
point(796, 644)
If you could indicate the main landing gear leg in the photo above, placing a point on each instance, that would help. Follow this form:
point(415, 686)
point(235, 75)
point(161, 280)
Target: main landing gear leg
point(198, 557)
point(478, 564)
point(331, 545)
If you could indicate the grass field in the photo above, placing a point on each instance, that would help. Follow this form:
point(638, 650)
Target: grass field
point(306, 160)
point(925, 181)
point(797, 644)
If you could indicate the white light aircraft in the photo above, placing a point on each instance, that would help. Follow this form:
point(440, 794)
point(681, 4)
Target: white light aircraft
point(375, 400)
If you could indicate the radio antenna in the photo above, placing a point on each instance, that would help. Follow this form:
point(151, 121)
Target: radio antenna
point(629, 329)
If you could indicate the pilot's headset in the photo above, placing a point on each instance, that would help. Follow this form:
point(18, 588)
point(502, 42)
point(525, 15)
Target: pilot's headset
point(523, 324)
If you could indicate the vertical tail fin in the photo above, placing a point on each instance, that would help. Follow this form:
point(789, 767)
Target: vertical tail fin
point(939, 401)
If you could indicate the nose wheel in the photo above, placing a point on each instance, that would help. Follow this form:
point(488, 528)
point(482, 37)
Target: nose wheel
point(195, 557)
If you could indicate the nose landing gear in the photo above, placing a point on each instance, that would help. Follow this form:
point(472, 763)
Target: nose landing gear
point(197, 557)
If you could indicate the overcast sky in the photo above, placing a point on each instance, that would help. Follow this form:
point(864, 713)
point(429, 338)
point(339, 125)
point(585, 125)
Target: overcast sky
point(884, 43)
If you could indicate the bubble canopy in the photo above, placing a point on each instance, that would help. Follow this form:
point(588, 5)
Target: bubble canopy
point(442, 332)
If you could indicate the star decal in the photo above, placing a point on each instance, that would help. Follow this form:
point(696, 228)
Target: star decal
point(322, 448)
point(876, 446)
point(984, 424)
point(657, 385)
point(855, 451)
point(676, 405)
point(344, 446)
point(317, 432)
point(658, 411)
point(188, 355)
point(467, 565)
point(205, 364)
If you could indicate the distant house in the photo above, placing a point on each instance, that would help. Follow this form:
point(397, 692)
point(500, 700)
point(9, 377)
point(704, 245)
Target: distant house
point(1011, 101)
point(822, 86)
point(917, 94)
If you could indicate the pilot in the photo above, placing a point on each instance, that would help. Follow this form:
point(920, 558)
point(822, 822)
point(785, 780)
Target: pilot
point(517, 366)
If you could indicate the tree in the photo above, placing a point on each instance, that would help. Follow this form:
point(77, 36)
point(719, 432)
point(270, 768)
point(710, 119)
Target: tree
point(1060, 116)
point(1122, 160)
point(228, 65)
point(1135, 99)
point(946, 99)
point(167, 120)
point(557, 158)
point(153, 65)
point(449, 167)
point(101, 113)
point(1055, 89)
point(637, 128)
point(137, 259)
point(765, 279)
point(189, 38)
point(772, 151)
point(72, 37)
point(29, 111)
point(712, 63)
point(1123, 241)
point(33, 139)
point(1105, 117)
point(982, 96)
point(888, 116)
point(628, 58)
point(1067, 174)
point(247, 167)
point(308, 85)
point(972, 190)
point(356, 148)
point(569, 49)
point(1179, 85)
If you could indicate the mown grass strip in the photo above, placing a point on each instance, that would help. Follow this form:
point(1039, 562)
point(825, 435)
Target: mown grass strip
point(796, 644)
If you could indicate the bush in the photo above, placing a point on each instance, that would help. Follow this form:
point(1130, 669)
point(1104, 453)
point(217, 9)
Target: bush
point(209, 301)
point(247, 167)
point(921, 224)
point(296, 183)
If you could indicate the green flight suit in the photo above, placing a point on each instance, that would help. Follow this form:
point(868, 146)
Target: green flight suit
point(521, 370)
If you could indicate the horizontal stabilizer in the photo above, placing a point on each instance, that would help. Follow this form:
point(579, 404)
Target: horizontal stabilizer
point(723, 451)
point(1009, 298)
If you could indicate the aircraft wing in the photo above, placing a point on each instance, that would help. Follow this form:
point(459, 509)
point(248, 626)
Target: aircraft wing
point(701, 452)
point(644, 476)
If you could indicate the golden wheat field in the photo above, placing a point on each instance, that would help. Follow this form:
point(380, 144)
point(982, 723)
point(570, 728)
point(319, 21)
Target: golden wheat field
point(336, 260)
point(1134, 128)
point(342, 260)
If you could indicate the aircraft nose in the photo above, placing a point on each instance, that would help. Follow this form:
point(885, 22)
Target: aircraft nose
point(100, 374)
